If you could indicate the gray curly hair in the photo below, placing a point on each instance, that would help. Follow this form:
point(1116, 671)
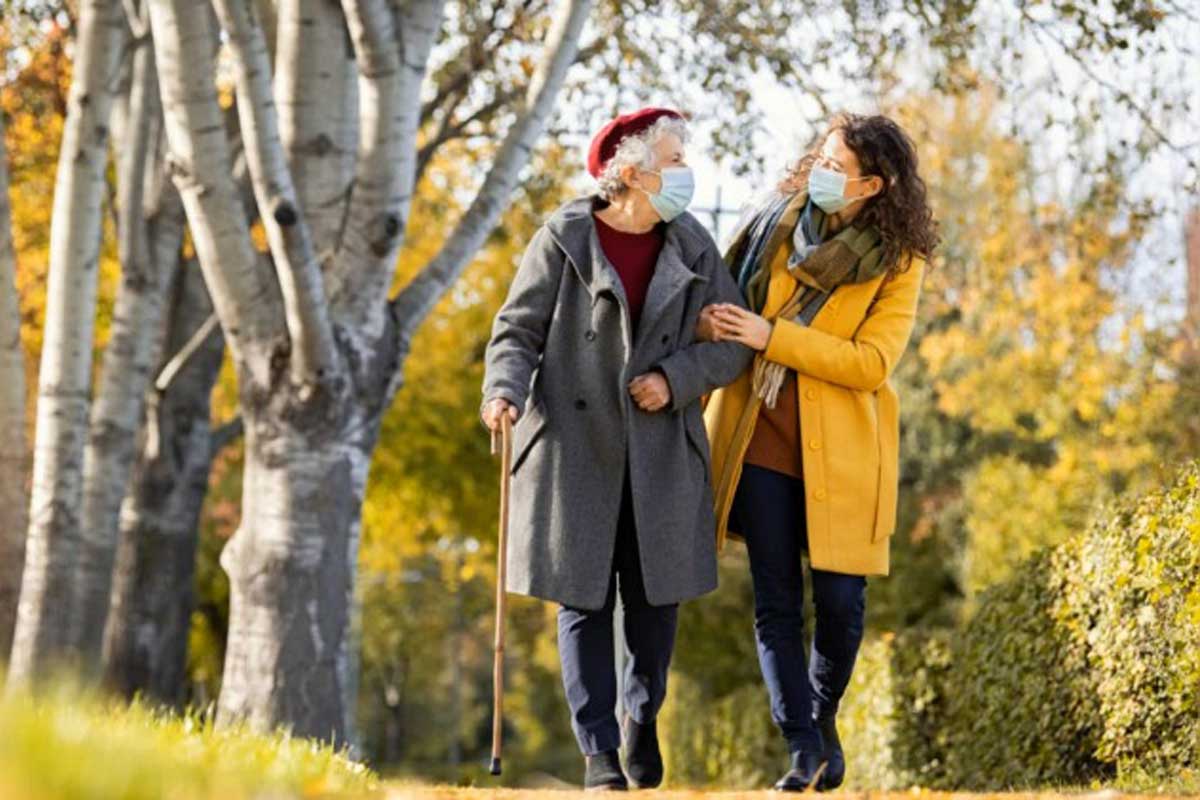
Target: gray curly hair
point(637, 150)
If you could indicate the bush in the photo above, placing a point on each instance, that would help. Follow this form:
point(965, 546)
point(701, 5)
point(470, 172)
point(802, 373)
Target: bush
point(1083, 666)
point(891, 717)
point(1142, 571)
point(1022, 708)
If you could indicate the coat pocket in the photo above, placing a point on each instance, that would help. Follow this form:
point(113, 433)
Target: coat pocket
point(888, 445)
point(697, 436)
point(527, 431)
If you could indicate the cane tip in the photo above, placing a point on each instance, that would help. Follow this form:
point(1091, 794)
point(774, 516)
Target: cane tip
point(495, 768)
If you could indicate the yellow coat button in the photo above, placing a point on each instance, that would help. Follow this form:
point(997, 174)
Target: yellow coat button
point(810, 394)
point(819, 494)
point(814, 444)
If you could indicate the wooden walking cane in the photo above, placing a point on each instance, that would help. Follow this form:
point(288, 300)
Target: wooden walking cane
point(505, 436)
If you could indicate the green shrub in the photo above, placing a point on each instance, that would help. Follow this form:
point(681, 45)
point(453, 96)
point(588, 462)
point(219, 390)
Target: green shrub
point(1083, 666)
point(1022, 707)
point(1141, 568)
point(891, 718)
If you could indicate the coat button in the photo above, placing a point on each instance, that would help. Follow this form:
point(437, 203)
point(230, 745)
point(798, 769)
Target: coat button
point(590, 335)
point(810, 394)
point(814, 444)
point(665, 338)
point(581, 404)
point(819, 494)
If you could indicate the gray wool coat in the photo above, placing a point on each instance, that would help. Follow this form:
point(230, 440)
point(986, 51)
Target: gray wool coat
point(563, 351)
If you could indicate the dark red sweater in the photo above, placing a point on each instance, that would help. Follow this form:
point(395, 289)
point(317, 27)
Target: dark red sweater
point(634, 256)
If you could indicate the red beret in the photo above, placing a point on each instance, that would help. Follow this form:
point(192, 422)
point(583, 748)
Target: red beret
point(604, 143)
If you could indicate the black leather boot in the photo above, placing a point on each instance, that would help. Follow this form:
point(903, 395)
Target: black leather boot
point(803, 773)
point(835, 759)
point(604, 772)
point(643, 760)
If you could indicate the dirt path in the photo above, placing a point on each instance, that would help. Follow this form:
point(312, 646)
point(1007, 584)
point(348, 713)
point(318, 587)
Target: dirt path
point(421, 792)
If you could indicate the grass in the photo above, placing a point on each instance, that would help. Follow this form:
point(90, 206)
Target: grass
point(71, 744)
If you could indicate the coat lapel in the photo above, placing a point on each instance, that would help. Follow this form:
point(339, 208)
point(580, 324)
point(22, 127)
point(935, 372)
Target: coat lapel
point(671, 276)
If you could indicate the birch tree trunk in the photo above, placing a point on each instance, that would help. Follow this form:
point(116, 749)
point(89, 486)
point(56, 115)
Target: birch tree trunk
point(145, 647)
point(14, 458)
point(64, 380)
point(149, 236)
point(317, 365)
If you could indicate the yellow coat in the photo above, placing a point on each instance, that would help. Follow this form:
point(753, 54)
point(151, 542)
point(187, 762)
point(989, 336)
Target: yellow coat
point(849, 414)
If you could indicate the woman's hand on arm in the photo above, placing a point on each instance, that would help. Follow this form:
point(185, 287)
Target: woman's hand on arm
point(705, 364)
point(865, 360)
point(736, 324)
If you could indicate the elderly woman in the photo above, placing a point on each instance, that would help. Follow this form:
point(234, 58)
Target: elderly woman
point(805, 442)
point(594, 355)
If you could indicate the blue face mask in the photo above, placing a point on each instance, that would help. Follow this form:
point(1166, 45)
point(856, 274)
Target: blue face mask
point(827, 188)
point(678, 186)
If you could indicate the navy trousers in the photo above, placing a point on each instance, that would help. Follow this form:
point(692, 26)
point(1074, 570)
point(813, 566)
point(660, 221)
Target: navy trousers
point(768, 509)
point(586, 648)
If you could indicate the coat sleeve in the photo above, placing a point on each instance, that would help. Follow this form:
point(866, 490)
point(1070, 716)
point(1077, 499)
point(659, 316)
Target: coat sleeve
point(700, 367)
point(519, 329)
point(866, 360)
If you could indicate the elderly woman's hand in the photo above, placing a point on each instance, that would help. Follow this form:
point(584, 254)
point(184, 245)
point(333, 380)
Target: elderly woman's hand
point(734, 323)
point(706, 326)
point(651, 391)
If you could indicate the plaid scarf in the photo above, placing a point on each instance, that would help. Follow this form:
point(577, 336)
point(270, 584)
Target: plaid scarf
point(818, 263)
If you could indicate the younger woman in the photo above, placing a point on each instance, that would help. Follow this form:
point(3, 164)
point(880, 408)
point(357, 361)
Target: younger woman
point(804, 443)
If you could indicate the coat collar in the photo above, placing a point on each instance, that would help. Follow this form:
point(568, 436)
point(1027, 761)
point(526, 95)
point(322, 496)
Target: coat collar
point(783, 228)
point(574, 230)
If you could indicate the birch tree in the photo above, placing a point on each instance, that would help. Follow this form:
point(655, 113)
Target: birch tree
point(64, 381)
point(150, 225)
point(13, 456)
point(145, 645)
point(317, 344)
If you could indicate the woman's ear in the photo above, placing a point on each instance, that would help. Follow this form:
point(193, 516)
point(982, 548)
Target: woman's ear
point(630, 176)
point(874, 187)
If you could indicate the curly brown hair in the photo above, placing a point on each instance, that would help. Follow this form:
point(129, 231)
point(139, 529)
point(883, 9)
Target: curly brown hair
point(901, 209)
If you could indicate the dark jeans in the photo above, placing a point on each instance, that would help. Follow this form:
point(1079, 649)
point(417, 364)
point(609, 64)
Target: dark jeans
point(769, 511)
point(585, 648)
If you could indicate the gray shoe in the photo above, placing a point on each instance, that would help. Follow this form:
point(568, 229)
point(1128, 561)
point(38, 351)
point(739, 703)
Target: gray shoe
point(603, 772)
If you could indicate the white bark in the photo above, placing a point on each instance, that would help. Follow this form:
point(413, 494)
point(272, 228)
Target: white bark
point(313, 356)
point(149, 236)
point(391, 62)
point(14, 458)
point(245, 295)
point(65, 374)
point(315, 92)
point(286, 660)
point(145, 645)
point(418, 298)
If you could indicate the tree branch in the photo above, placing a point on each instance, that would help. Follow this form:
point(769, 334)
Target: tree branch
point(316, 95)
point(416, 300)
point(390, 91)
point(178, 361)
point(313, 353)
point(226, 434)
point(449, 130)
point(246, 297)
